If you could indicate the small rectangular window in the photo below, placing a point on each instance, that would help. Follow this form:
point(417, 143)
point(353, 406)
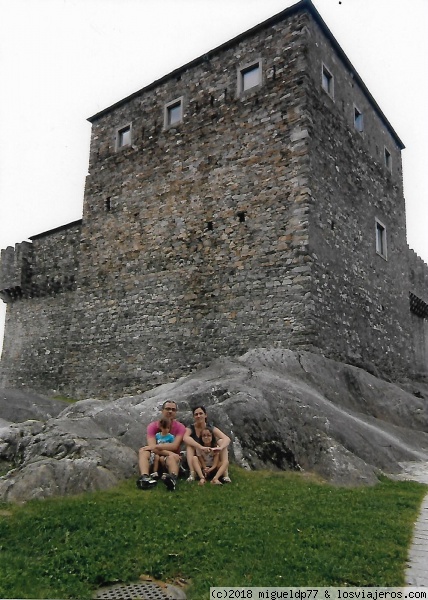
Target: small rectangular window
point(123, 137)
point(381, 239)
point(249, 76)
point(327, 81)
point(388, 160)
point(173, 113)
point(358, 120)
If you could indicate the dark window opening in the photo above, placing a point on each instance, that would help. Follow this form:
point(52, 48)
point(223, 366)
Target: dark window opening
point(250, 77)
point(327, 81)
point(210, 225)
point(124, 137)
point(173, 114)
point(108, 204)
point(418, 306)
point(358, 120)
point(241, 216)
point(380, 239)
point(387, 159)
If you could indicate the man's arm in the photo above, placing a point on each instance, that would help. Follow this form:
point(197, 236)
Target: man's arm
point(151, 443)
point(162, 452)
point(172, 446)
point(151, 431)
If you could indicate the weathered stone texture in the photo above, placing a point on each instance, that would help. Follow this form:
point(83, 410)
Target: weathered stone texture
point(14, 272)
point(250, 223)
point(281, 409)
point(37, 326)
point(55, 260)
point(203, 250)
point(419, 310)
point(418, 276)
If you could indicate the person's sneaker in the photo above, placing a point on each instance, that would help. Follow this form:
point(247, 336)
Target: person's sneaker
point(183, 472)
point(191, 478)
point(145, 482)
point(225, 479)
point(170, 481)
point(155, 475)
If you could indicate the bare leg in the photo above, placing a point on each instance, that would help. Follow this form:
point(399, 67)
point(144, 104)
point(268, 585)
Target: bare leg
point(222, 469)
point(224, 458)
point(197, 468)
point(190, 455)
point(144, 461)
point(172, 462)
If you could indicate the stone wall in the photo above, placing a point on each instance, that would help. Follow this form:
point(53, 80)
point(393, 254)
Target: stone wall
point(38, 322)
point(418, 271)
point(55, 260)
point(360, 296)
point(15, 271)
point(195, 236)
point(418, 276)
point(252, 221)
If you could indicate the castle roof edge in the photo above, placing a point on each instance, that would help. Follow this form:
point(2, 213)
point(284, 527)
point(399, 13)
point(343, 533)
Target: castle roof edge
point(55, 230)
point(299, 6)
point(200, 59)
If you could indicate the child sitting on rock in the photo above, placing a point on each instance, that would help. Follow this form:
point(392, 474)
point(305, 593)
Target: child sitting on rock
point(164, 436)
point(207, 464)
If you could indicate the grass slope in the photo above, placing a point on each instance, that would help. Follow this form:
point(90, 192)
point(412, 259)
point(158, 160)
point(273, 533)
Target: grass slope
point(266, 529)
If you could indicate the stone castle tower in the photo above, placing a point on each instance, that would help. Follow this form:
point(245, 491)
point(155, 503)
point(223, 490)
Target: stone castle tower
point(252, 197)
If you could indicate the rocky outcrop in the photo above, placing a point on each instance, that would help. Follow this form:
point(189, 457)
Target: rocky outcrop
point(282, 409)
point(17, 406)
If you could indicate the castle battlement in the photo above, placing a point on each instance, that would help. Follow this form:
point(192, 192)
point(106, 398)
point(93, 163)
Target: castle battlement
point(14, 272)
point(45, 266)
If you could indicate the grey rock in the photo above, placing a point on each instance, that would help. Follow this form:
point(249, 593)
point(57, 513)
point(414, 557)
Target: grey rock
point(17, 406)
point(282, 409)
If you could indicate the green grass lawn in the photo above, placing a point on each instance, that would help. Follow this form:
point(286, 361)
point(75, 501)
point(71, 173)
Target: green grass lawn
point(266, 529)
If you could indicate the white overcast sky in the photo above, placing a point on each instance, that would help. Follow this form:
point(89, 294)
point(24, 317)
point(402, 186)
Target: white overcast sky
point(62, 61)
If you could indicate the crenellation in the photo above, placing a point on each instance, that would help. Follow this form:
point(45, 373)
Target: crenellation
point(15, 272)
point(418, 275)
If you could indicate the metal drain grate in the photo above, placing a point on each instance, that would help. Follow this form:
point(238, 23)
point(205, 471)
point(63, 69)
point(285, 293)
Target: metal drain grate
point(140, 591)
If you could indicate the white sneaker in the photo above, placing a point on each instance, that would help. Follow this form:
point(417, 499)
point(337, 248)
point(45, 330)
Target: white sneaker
point(191, 478)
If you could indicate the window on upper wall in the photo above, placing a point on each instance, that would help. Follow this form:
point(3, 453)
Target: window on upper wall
point(327, 81)
point(249, 76)
point(173, 114)
point(387, 159)
point(358, 120)
point(381, 239)
point(123, 137)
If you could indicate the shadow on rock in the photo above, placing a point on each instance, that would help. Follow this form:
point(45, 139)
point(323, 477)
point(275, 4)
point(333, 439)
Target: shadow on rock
point(282, 410)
